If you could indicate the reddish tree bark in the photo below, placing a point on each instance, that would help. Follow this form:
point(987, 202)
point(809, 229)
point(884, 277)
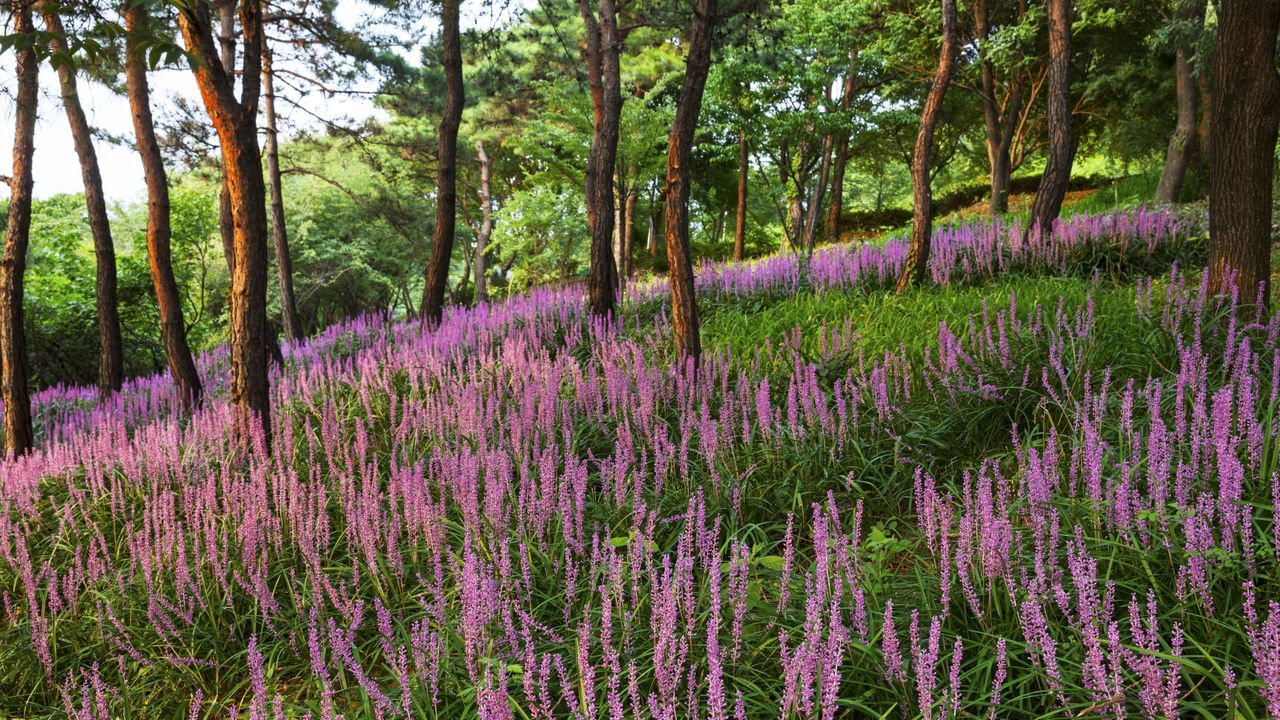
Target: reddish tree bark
point(1062, 149)
point(235, 121)
point(684, 305)
point(1246, 115)
point(603, 46)
point(227, 52)
point(916, 268)
point(18, 435)
point(110, 344)
point(173, 329)
point(447, 173)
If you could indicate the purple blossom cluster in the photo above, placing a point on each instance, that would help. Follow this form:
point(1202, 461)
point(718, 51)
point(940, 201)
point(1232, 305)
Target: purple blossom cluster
point(523, 514)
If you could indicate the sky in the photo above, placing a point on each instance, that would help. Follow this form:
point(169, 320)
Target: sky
point(57, 169)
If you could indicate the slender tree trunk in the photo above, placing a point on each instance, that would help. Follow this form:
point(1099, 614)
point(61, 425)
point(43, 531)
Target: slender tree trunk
point(110, 344)
point(227, 53)
point(447, 175)
point(684, 306)
point(1000, 125)
point(18, 435)
point(917, 265)
point(1246, 115)
point(1062, 149)
point(1204, 86)
point(173, 328)
point(740, 218)
point(819, 193)
point(284, 261)
point(603, 47)
point(835, 207)
point(486, 225)
point(628, 231)
point(1182, 143)
point(619, 221)
point(651, 239)
point(236, 124)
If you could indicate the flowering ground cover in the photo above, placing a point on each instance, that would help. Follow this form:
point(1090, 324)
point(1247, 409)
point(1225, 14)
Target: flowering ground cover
point(1044, 488)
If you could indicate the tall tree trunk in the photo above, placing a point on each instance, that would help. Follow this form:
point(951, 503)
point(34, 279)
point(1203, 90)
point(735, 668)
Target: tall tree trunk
point(1062, 149)
point(1204, 87)
point(1246, 115)
point(819, 193)
point(740, 217)
point(235, 121)
point(651, 238)
point(18, 435)
point(486, 225)
point(447, 174)
point(603, 47)
point(110, 344)
point(1000, 125)
point(227, 53)
point(619, 221)
point(684, 305)
point(284, 261)
point(835, 208)
point(917, 265)
point(1182, 143)
point(628, 230)
point(173, 328)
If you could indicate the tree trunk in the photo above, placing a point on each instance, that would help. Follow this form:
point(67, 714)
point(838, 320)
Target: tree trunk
point(1182, 143)
point(284, 261)
point(486, 225)
point(1000, 125)
point(684, 306)
point(651, 239)
point(227, 44)
point(619, 220)
point(740, 218)
point(18, 435)
point(815, 203)
point(236, 124)
point(447, 174)
point(1246, 114)
point(835, 207)
point(173, 328)
point(628, 231)
point(917, 265)
point(603, 47)
point(110, 344)
point(1062, 149)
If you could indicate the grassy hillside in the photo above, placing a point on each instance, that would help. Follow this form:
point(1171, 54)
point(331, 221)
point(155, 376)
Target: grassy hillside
point(1039, 488)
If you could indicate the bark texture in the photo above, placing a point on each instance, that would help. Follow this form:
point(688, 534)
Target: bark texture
point(917, 265)
point(1246, 111)
point(110, 344)
point(1001, 122)
point(1062, 149)
point(684, 306)
point(173, 329)
point(740, 217)
point(447, 172)
point(18, 436)
point(235, 120)
point(603, 46)
point(486, 225)
point(280, 234)
point(1182, 145)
